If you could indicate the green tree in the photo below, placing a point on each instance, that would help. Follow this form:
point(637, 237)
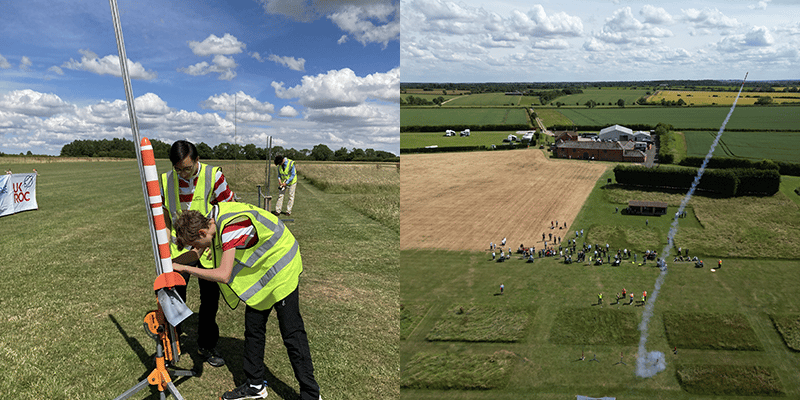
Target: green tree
point(321, 152)
point(342, 154)
point(763, 100)
point(621, 103)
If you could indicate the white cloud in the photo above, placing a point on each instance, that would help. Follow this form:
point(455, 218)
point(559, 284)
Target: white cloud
point(32, 103)
point(360, 22)
point(761, 5)
point(655, 15)
point(709, 18)
point(223, 65)
point(551, 44)
point(257, 56)
point(227, 44)
point(537, 22)
point(246, 107)
point(342, 88)
point(623, 28)
point(25, 63)
point(56, 70)
point(295, 64)
point(757, 36)
point(4, 63)
point(288, 111)
point(109, 64)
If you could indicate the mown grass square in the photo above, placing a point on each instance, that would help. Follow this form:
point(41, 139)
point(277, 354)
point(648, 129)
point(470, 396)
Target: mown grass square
point(709, 331)
point(480, 323)
point(457, 371)
point(740, 380)
point(789, 328)
point(594, 326)
point(410, 317)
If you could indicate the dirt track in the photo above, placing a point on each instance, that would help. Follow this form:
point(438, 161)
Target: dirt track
point(463, 201)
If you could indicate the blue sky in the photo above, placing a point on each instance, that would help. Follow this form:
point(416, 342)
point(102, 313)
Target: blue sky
point(598, 40)
point(305, 72)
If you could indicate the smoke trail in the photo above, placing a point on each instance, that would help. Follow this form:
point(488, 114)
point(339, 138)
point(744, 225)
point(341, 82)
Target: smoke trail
point(649, 364)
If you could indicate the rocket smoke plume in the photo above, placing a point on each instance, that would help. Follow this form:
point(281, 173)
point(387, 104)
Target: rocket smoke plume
point(649, 364)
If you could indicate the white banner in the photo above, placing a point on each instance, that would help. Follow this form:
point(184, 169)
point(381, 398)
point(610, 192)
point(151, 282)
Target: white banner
point(17, 193)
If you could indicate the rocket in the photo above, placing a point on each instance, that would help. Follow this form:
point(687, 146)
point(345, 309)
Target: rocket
point(167, 279)
point(745, 77)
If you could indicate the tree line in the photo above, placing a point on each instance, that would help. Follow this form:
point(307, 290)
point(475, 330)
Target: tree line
point(124, 148)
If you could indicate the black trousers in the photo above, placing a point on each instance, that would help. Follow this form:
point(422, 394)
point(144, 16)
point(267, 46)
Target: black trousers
point(207, 328)
point(294, 338)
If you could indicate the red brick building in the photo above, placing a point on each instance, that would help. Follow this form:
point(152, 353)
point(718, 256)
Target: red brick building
point(597, 150)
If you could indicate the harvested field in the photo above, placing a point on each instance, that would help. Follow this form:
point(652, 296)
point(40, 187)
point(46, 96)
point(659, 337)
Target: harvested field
point(463, 201)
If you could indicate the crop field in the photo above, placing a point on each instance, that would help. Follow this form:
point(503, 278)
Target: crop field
point(686, 118)
point(80, 274)
point(552, 117)
point(462, 116)
point(436, 92)
point(413, 140)
point(776, 146)
point(702, 98)
point(732, 325)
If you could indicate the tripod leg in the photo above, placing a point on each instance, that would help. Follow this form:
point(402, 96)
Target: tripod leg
point(130, 392)
point(174, 391)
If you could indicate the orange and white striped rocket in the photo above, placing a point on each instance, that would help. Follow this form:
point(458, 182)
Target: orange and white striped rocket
point(168, 277)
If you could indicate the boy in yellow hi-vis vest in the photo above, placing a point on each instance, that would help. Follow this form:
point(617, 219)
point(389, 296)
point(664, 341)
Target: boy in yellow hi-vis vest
point(256, 260)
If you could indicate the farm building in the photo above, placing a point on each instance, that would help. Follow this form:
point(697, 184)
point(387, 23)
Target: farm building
point(647, 207)
point(620, 133)
point(566, 136)
point(601, 151)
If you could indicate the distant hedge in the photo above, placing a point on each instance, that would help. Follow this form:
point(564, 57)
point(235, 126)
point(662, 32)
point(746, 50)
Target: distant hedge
point(727, 182)
point(785, 168)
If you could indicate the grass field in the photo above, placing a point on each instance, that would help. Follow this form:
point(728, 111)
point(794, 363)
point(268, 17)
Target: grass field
point(412, 140)
point(685, 118)
point(462, 116)
point(736, 303)
point(485, 99)
point(79, 275)
point(607, 96)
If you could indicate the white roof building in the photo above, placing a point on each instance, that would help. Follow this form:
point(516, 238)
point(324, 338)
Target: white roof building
point(616, 133)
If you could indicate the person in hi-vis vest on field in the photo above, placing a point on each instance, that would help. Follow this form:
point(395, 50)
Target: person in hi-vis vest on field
point(256, 260)
point(192, 185)
point(287, 181)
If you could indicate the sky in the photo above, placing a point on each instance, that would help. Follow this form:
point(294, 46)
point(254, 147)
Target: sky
point(598, 40)
point(305, 72)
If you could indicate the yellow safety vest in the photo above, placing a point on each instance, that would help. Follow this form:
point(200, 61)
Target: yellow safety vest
point(265, 273)
point(203, 194)
point(283, 172)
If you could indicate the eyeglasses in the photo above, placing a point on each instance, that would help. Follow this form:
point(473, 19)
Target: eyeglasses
point(186, 170)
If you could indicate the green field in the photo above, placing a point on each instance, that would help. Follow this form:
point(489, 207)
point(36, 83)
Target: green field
point(727, 313)
point(413, 140)
point(79, 275)
point(777, 146)
point(462, 116)
point(485, 99)
point(607, 96)
point(762, 118)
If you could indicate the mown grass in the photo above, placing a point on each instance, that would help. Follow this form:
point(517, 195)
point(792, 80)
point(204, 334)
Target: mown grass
point(410, 316)
point(710, 331)
point(479, 323)
point(457, 371)
point(462, 116)
point(83, 271)
point(595, 326)
point(411, 140)
point(730, 380)
point(789, 328)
